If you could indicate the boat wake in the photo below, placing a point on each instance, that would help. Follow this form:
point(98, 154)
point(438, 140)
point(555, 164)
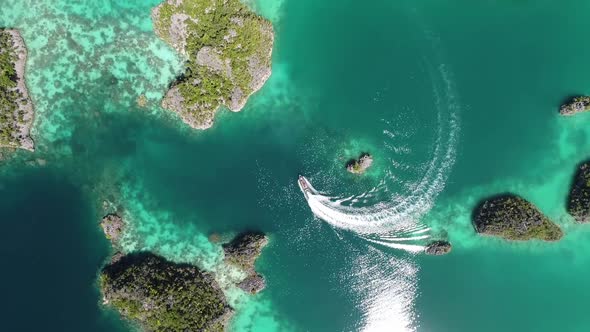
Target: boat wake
point(389, 214)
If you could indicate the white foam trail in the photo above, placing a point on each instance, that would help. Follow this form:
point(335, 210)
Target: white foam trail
point(407, 247)
point(422, 231)
point(413, 238)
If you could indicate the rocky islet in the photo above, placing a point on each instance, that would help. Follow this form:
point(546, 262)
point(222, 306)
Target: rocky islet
point(112, 226)
point(575, 105)
point(438, 248)
point(360, 165)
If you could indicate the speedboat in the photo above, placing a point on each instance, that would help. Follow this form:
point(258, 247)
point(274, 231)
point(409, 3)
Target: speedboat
point(304, 186)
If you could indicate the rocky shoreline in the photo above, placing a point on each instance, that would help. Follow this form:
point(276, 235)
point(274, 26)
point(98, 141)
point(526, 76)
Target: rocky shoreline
point(242, 252)
point(514, 218)
point(224, 66)
point(16, 106)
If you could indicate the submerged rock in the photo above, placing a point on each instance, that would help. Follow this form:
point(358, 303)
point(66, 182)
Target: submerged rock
point(228, 50)
point(242, 252)
point(438, 248)
point(514, 218)
point(164, 296)
point(361, 165)
point(141, 101)
point(578, 205)
point(214, 237)
point(16, 107)
point(112, 225)
point(575, 106)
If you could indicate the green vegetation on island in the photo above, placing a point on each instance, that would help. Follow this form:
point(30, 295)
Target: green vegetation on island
point(163, 296)
point(578, 205)
point(514, 218)
point(359, 166)
point(160, 295)
point(575, 105)
point(228, 51)
point(16, 108)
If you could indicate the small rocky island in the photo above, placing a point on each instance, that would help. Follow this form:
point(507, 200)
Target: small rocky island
point(242, 252)
point(16, 107)
point(514, 218)
point(578, 205)
point(575, 105)
point(164, 296)
point(112, 226)
point(438, 248)
point(360, 165)
point(228, 50)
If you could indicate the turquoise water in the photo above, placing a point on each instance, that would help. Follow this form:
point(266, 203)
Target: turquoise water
point(455, 100)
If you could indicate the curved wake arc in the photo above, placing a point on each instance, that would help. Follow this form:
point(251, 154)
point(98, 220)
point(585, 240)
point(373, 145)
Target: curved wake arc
point(395, 220)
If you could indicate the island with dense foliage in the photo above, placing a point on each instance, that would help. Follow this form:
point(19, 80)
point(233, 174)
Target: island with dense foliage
point(514, 218)
point(575, 105)
point(242, 252)
point(228, 51)
point(164, 296)
point(157, 294)
point(160, 295)
point(578, 205)
point(16, 107)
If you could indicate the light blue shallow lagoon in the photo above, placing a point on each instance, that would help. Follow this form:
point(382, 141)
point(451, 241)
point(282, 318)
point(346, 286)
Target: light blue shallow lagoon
point(455, 100)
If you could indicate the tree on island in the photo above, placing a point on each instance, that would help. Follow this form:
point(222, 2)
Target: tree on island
point(360, 165)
